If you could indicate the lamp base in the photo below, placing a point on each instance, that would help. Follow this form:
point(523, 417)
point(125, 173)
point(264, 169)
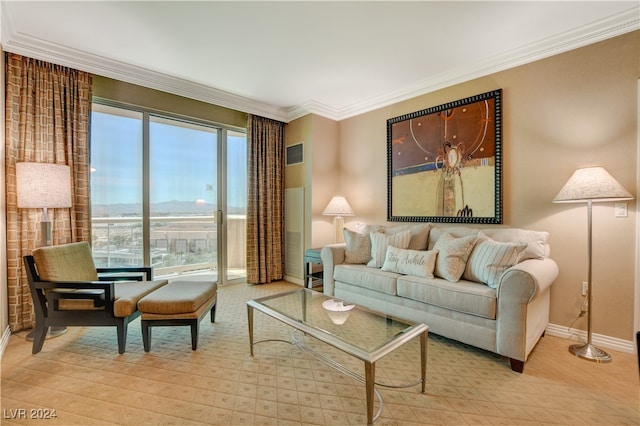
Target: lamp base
point(51, 333)
point(590, 353)
point(338, 229)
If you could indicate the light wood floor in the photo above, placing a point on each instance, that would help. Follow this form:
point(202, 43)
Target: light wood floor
point(82, 377)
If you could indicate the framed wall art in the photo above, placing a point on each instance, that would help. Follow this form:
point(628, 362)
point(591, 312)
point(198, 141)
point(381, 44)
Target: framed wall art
point(445, 162)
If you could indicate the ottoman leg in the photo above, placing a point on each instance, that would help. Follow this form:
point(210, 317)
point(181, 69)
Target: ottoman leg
point(194, 334)
point(146, 335)
point(213, 313)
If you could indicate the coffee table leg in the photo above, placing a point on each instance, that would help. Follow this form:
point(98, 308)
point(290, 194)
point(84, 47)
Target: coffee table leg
point(423, 360)
point(250, 321)
point(370, 380)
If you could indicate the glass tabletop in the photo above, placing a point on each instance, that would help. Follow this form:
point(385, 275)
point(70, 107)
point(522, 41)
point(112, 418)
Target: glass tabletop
point(361, 332)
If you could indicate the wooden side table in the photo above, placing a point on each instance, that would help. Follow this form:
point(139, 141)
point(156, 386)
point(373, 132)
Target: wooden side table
point(312, 258)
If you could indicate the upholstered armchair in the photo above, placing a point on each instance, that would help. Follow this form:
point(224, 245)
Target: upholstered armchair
point(68, 290)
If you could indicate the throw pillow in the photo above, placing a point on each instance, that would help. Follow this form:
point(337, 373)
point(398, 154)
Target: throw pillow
point(379, 243)
point(489, 259)
point(358, 249)
point(417, 263)
point(419, 234)
point(452, 255)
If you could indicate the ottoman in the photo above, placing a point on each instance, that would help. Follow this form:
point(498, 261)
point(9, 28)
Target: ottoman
point(178, 303)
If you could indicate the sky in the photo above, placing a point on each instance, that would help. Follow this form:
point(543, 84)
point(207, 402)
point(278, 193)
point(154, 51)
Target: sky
point(183, 161)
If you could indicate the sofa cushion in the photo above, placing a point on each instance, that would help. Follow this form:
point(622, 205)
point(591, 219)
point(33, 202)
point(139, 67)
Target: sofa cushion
point(489, 259)
point(363, 276)
point(380, 242)
point(452, 255)
point(358, 247)
point(462, 296)
point(410, 262)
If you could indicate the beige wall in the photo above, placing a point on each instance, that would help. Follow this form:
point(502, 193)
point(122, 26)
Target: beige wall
point(319, 174)
point(132, 94)
point(571, 110)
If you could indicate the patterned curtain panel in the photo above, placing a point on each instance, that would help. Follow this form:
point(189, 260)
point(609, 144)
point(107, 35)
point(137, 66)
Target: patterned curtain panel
point(47, 121)
point(265, 210)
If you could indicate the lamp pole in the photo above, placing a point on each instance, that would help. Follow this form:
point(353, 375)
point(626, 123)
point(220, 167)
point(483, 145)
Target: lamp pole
point(588, 351)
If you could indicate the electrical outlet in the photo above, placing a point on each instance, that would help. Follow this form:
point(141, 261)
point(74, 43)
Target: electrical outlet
point(585, 288)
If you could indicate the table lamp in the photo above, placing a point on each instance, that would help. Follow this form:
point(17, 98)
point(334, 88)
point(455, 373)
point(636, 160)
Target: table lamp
point(338, 207)
point(591, 185)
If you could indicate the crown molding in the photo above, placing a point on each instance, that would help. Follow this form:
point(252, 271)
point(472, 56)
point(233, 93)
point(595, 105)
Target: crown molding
point(33, 47)
point(41, 49)
point(613, 26)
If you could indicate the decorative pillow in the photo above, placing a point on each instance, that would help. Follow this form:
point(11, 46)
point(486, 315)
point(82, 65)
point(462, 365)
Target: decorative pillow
point(452, 255)
point(379, 243)
point(489, 259)
point(358, 248)
point(537, 241)
point(419, 234)
point(417, 263)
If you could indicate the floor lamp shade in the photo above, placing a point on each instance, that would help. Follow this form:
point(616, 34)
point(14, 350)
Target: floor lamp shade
point(338, 207)
point(591, 185)
point(43, 185)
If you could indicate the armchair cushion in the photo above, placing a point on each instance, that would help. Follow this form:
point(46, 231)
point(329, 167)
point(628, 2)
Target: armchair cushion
point(68, 262)
point(128, 293)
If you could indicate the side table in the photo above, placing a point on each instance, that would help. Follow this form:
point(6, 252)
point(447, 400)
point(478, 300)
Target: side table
point(312, 258)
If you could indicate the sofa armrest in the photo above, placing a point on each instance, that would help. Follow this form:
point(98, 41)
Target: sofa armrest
point(523, 306)
point(523, 281)
point(331, 255)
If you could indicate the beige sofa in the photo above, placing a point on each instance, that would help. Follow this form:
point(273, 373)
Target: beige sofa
point(488, 288)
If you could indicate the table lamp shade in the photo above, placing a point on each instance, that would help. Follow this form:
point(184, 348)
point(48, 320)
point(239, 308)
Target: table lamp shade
point(43, 185)
point(592, 183)
point(338, 206)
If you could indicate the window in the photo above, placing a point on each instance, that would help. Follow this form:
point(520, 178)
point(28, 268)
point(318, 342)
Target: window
point(159, 187)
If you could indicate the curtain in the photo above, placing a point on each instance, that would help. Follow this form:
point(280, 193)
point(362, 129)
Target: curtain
point(47, 113)
point(265, 209)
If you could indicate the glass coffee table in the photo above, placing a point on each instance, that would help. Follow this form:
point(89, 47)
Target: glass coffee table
point(359, 332)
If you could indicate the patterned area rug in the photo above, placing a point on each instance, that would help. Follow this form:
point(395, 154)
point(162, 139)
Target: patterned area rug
point(81, 377)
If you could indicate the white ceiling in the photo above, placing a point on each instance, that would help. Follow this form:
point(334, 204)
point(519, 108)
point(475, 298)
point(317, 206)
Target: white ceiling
point(285, 59)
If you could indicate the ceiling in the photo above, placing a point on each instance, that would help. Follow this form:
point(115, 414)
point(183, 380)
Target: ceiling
point(285, 59)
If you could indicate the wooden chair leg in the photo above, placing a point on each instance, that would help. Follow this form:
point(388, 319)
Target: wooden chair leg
point(122, 327)
point(39, 335)
point(213, 313)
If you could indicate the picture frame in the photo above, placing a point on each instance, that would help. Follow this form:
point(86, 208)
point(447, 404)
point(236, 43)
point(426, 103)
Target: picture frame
point(444, 163)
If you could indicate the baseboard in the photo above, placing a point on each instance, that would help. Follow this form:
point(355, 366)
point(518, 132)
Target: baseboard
point(5, 341)
point(599, 340)
point(294, 280)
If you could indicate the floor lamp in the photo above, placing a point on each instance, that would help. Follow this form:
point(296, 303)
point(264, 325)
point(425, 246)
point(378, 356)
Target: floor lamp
point(338, 207)
point(44, 185)
point(591, 185)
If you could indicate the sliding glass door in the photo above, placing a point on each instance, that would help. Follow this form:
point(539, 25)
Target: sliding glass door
point(168, 192)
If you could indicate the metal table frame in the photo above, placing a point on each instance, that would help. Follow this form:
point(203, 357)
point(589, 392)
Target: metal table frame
point(369, 358)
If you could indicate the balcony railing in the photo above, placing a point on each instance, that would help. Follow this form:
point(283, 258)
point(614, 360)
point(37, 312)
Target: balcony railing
point(178, 244)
